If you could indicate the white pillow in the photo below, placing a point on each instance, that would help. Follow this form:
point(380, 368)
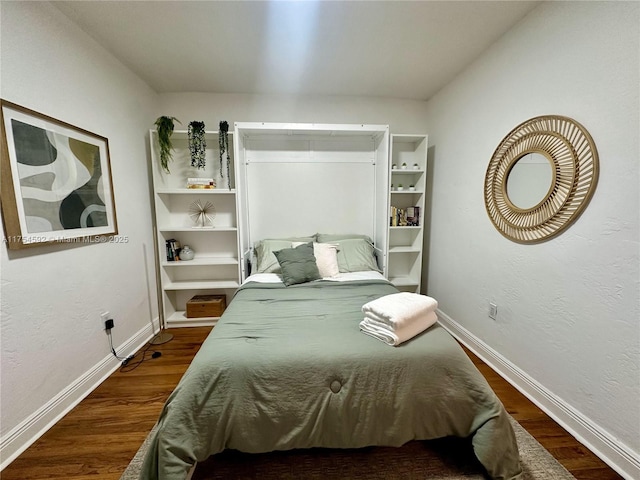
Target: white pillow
point(326, 258)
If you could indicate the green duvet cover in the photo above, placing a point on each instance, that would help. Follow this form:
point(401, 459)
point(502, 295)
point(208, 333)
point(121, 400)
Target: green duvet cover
point(288, 368)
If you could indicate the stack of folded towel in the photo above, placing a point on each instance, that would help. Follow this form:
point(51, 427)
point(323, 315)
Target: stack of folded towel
point(398, 317)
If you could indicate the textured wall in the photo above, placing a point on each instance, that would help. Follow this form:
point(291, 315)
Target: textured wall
point(568, 309)
point(52, 297)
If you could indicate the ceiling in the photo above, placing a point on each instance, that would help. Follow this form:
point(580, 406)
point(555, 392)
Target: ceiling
point(402, 49)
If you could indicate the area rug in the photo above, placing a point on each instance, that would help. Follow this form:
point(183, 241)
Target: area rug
point(443, 459)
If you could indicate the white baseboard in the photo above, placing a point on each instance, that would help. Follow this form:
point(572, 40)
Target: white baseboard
point(26, 433)
point(615, 454)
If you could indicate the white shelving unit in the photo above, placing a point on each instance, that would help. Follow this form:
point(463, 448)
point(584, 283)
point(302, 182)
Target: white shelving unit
point(216, 266)
point(405, 242)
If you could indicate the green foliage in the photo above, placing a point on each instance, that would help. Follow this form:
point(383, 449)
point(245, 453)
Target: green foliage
point(197, 144)
point(164, 127)
point(223, 142)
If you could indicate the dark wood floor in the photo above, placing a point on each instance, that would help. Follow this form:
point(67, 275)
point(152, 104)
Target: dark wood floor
point(98, 438)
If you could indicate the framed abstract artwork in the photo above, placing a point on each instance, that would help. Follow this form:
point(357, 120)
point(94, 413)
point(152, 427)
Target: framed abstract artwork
point(55, 181)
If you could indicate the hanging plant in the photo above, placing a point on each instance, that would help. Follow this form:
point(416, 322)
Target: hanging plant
point(164, 127)
point(197, 144)
point(223, 141)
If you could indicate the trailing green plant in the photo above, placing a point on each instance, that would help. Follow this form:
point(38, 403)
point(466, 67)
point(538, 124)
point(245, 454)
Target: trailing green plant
point(197, 144)
point(164, 127)
point(223, 142)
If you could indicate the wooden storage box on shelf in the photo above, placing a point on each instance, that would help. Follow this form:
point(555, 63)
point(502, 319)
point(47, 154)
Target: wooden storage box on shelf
point(206, 306)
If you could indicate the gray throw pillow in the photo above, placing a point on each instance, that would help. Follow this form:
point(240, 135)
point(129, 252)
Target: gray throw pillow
point(298, 264)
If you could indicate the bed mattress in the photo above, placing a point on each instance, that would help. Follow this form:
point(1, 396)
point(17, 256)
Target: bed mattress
point(287, 367)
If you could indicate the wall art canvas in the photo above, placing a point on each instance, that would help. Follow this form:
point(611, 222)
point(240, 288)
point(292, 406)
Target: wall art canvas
point(55, 181)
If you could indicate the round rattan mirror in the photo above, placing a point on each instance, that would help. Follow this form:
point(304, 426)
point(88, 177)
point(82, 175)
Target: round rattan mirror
point(573, 158)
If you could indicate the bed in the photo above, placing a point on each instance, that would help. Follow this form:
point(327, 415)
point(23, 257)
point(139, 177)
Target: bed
point(287, 367)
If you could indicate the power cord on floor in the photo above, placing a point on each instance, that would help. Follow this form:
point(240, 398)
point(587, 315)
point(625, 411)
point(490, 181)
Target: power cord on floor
point(127, 361)
point(139, 357)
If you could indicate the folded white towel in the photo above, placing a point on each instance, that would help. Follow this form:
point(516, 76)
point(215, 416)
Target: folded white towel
point(395, 336)
point(400, 309)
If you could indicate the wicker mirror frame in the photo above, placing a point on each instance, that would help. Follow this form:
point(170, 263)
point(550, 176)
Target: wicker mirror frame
point(574, 159)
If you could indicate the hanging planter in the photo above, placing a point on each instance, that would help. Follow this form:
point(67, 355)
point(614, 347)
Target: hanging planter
point(164, 127)
point(197, 144)
point(223, 141)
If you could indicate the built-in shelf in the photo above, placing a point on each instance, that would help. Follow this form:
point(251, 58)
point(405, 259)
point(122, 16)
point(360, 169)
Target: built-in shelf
point(180, 319)
point(404, 249)
point(407, 171)
point(404, 281)
point(202, 261)
point(215, 269)
point(196, 191)
point(405, 242)
point(201, 285)
point(165, 229)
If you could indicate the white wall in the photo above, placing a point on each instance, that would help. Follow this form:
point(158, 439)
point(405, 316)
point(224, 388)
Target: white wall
point(569, 308)
point(402, 116)
point(52, 337)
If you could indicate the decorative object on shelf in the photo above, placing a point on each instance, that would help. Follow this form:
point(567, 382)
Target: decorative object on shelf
point(197, 144)
point(223, 141)
point(56, 182)
point(400, 188)
point(404, 166)
point(394, 166)
point(206, 306)
point(202, 213)
point(412, 188)
point(573, 158)
point(416, 166)
point(164, 127)
point(186, 253)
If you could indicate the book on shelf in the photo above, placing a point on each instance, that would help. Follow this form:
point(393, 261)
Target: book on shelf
point(198, 182)
point(404, 217)
point(173, 250)
point(413, 216)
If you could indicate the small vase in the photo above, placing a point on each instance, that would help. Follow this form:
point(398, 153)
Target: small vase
point(186, 253)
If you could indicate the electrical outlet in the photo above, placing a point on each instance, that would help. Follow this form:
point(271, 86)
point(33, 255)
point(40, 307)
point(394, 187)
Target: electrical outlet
point(106, 320)
point(493, 310)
